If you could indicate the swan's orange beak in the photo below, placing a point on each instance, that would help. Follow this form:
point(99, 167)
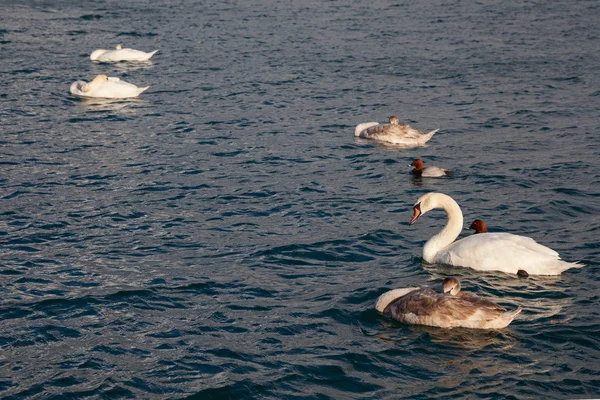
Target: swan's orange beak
point(416, 213)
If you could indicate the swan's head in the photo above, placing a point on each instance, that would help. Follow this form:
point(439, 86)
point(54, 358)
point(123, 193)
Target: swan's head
point(432, 200)
point(394, 120)
point(451, 286)
point(94, 83)
point(100, 78)
point(97, 53)
point(418, 163)
point(479, 226)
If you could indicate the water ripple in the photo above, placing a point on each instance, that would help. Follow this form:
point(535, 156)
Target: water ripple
point(226, 236)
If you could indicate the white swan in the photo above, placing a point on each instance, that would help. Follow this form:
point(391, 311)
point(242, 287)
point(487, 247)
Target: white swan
point(485, 251)
point(394, 132)
point(449, 308)
point(120, 54)
point(427, 172)
point(105, 87)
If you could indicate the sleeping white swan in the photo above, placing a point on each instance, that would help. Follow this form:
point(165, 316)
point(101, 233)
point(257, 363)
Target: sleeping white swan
point(394, 132)
point(120, 54)
point(105, 87)
point(448, 308)
point(485, 251)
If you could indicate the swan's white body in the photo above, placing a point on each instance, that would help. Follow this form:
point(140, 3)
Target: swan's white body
point(120, 54)
point(485, 251)
point(448, 308)
point(394, 133)
point(104, 87)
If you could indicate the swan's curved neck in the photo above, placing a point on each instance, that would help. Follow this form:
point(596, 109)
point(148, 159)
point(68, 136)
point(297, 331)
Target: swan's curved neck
point(450, 232)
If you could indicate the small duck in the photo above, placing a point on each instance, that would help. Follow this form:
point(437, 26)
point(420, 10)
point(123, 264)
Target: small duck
point(104, 87)
point(448, 308)
point(120, 54)
point(394, 132)
point(427, 172)
point(479, 226)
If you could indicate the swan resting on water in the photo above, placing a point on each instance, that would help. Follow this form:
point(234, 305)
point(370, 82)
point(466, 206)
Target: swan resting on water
point(120, 54)
point(394, 132)
point(104, 87)
point(448, 308)
point(484, 251)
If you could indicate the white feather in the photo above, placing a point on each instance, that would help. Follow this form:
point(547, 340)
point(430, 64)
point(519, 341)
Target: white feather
point(108, 88)
point(120, 54)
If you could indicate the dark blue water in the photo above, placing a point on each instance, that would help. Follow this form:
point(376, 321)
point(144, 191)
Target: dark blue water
point(225, 236)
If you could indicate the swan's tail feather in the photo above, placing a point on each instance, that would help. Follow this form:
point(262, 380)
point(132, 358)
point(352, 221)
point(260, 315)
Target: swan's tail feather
point(143, 89)
point(150, 55)
point(556, 267)
point(507, 317)
point(425, 138)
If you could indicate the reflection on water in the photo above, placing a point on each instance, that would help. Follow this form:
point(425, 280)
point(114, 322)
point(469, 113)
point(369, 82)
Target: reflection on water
point(120, 106)
point(390, 146)
point(471, 339)
point(128, 67)
point(211, 236)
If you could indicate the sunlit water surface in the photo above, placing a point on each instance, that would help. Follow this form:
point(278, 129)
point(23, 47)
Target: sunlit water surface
point(226, 236)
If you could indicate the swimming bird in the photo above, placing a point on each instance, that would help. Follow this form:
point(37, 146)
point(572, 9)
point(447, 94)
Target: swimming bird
point(479, 226)
point(394, 132)
point(427, 172)
point(448, 308)
point(105, 87)
point(485, 251)
point(120, 54)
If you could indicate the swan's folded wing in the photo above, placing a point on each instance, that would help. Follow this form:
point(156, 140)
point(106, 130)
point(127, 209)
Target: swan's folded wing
point(501, 252)
point(388, 297)
point(526, 242)
point(410, 132)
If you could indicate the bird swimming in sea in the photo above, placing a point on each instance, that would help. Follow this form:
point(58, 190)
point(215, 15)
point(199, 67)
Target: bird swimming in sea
point(394, 132)
point(120, 54)
point(446, 308)
point(421, 170)
point(104, 87)
point(484, 251)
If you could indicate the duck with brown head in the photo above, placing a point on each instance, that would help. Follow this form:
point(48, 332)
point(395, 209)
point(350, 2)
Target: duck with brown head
point(421, 170)
point(479, 226)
